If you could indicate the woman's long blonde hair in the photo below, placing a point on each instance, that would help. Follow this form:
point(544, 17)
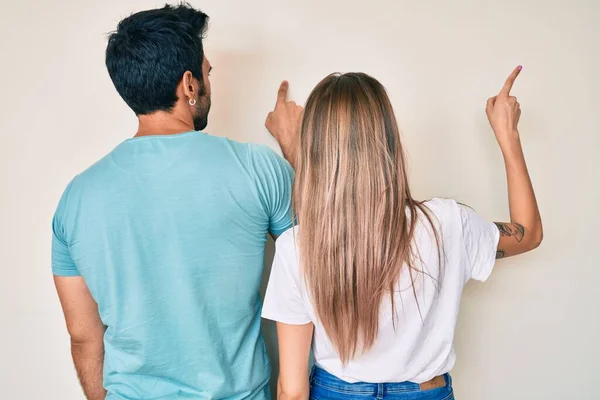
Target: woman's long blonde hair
point(354, 208)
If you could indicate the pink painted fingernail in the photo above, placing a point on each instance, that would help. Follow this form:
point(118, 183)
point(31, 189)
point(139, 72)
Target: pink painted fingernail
point(520, 67)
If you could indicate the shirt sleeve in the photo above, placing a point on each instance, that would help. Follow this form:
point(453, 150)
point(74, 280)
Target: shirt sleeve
point(283, 298)
point(274, 177)
point(62, 263)
point(480, 238)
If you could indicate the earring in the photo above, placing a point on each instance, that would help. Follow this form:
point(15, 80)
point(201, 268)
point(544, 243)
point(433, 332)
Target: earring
point(192, 102)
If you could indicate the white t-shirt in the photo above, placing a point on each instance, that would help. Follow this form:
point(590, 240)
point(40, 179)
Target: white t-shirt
point(421, 346)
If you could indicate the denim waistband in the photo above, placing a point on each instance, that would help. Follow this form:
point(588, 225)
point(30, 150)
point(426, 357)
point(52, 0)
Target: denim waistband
point(322, 378)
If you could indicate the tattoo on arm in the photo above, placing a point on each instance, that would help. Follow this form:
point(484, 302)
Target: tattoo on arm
point(513, 229)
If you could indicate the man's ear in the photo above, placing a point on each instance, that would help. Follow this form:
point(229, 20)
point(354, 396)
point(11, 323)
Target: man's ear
point(188, 86)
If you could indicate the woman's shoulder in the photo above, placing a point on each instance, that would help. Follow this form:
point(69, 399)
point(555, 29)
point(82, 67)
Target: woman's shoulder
point(286, 244)
point(443, 208)
point(288, 237)
point(444, 214)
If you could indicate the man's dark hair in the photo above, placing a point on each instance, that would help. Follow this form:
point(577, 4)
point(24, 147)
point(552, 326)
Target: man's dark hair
point(150, 51)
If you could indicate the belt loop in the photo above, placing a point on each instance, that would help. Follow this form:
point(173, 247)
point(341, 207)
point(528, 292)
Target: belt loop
point(380, 390)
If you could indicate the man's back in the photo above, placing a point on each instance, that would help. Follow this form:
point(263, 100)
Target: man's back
point(168, 233)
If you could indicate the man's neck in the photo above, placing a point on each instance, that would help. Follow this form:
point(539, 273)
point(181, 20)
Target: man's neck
point(162, 123)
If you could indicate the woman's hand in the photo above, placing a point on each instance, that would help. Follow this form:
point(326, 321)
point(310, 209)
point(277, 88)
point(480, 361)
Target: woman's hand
point(503, 112)
point(294, 353)
point(524, 232)
point(284, 123)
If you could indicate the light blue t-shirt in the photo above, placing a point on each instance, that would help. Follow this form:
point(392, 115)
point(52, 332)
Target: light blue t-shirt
point(169, 233)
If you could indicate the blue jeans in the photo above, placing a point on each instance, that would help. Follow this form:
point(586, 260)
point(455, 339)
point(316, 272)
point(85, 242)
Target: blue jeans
point(323, 385)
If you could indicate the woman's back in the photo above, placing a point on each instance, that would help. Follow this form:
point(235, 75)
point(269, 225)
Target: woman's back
point(376, 275)
point(413, 343)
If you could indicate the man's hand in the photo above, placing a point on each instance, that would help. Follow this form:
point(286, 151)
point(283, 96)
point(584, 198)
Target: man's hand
point(86, 331)
point(284, 123)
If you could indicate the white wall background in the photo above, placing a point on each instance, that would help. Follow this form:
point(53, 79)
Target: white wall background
point(529, 333)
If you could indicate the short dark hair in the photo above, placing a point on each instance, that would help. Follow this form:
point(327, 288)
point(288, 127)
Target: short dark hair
point(150, 51)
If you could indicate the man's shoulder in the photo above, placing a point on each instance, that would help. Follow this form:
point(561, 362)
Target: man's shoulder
point(98, 175)
point(264, 153)
point(97, 172)
point(263, 158)
point(252, 152)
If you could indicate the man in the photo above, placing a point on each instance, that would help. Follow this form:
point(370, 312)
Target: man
point(158, 248)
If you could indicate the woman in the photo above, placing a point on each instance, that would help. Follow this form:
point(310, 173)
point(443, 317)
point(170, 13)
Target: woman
point(372, 277)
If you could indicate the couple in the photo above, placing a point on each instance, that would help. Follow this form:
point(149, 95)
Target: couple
point(158, 248)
